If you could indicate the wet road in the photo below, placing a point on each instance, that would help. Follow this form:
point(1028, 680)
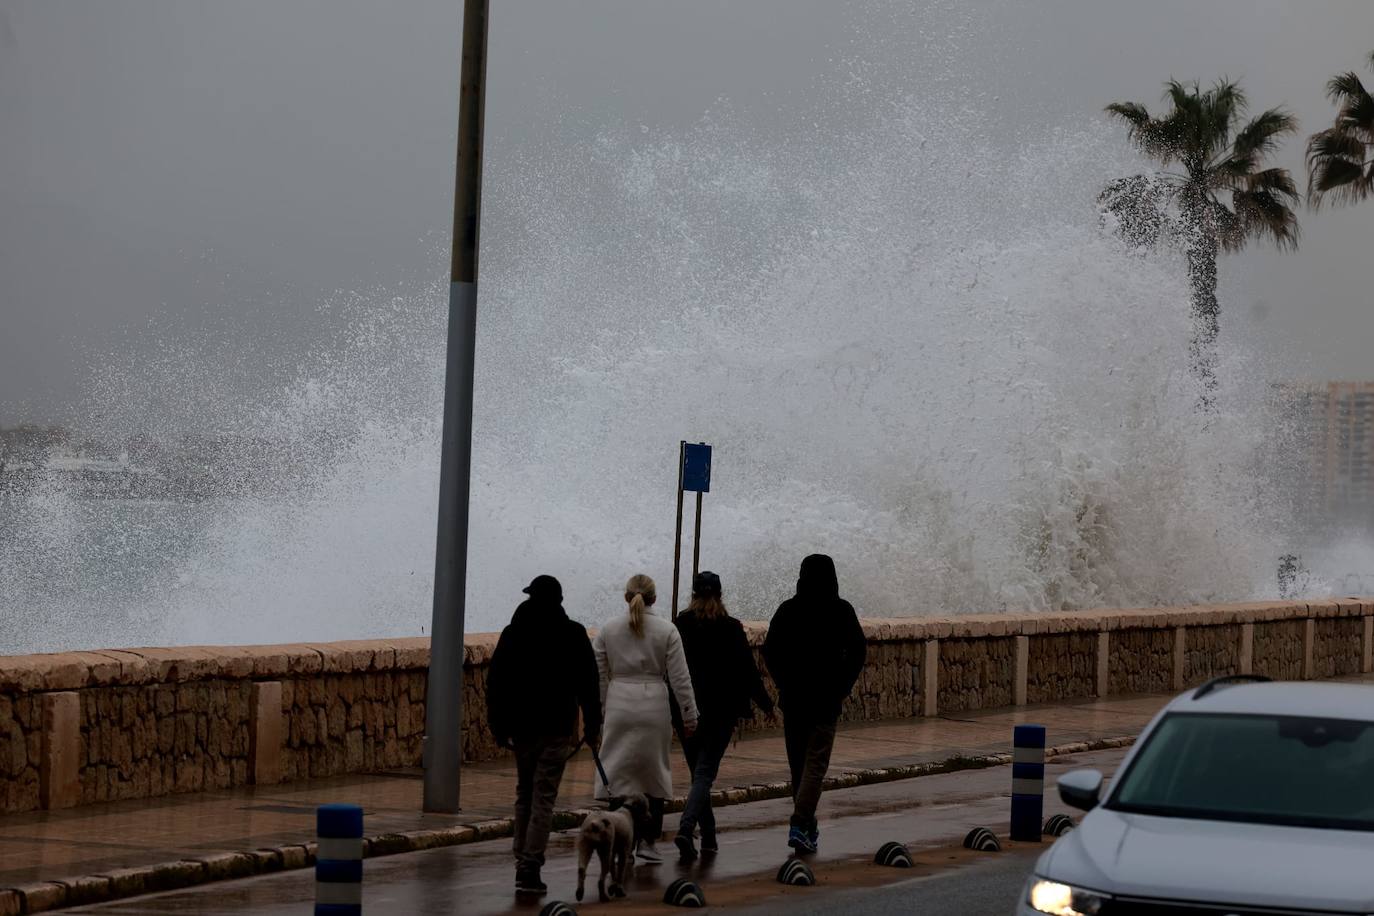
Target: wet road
point(931, 814)
point(988, 887)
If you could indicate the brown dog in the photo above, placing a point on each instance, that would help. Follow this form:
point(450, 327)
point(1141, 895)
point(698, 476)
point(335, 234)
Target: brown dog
point(611, 834)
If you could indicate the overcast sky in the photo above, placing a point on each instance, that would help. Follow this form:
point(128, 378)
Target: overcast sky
point(173, 159)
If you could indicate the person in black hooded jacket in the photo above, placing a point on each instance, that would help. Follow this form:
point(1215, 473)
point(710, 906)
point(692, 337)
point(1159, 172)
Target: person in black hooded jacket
point(815, 651)
point(727, 684)
point(541, 673)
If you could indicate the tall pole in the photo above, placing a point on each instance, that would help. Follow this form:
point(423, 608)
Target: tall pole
point(677, 536)
point(696, 541)
point(443, 749)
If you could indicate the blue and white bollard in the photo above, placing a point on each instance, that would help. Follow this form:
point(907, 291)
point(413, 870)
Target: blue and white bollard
point(1027, 782)
point(339, 860)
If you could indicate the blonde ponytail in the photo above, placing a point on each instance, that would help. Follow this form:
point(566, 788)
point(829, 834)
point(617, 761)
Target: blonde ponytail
point(640, 593)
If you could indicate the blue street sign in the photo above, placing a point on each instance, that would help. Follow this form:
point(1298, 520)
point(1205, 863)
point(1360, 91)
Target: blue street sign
point(696, 468)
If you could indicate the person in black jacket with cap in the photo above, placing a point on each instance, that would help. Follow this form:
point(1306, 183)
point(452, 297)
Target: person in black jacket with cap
point(726, 683)
point(541, 673)
point(815, 651)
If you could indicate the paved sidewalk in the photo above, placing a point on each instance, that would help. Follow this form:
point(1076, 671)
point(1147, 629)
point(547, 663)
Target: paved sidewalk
point(97, 839)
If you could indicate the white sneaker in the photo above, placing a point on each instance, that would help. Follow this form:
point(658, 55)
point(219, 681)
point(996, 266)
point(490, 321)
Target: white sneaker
point(648, 852)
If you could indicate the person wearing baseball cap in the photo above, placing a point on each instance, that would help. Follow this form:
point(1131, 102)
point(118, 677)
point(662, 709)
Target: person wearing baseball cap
point(542, 672)
point(727, 685)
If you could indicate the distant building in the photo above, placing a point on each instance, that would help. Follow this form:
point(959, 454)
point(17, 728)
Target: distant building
point(1328, 434)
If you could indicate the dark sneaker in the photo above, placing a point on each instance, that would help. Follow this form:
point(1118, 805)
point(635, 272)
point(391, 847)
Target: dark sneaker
point(527, 882)
point(708, 843)
point(815, 837)
point(686, 849)
point(801, 841)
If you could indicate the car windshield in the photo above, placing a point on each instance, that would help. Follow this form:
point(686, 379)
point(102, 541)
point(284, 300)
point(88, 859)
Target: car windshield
point(1295, 771)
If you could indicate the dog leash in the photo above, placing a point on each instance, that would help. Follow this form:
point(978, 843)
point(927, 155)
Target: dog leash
point(596, 758)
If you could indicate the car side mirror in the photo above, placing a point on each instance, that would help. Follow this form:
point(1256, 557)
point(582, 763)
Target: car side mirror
point(1081, 789)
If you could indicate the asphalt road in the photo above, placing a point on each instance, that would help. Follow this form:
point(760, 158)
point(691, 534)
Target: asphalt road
point(930, 814)
point(990, 887)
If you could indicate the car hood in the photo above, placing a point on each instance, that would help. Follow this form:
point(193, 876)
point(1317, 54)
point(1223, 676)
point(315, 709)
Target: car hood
point(1217, 862)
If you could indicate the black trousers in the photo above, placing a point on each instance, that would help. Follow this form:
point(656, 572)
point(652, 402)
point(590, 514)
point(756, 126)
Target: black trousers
point(654, 829)
point(809, 742)
point(539, 765)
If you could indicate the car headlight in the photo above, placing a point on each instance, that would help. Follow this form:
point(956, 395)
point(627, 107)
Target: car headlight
point(1063, 900)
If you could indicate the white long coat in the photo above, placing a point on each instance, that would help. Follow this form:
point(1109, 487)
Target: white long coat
point(635, 674)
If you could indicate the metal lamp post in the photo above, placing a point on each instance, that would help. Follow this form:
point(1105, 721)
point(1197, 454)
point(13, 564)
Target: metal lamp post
point(443, 743)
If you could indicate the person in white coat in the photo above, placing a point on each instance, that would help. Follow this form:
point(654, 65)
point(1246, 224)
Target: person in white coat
point(640, 658)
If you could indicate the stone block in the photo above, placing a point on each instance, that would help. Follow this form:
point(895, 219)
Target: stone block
point(1367, 665)
point(267, 661)
point(59, 772)
point(134, 669)
point(1021, 670)
point(179, 665)
point(1309, 647)
point(930, 678)
point(268, 860)
point(1180, 656)
point(128, 882)
point(265, 733)
point(65, 671)
point(293, 856)
point(166, 876)
point(1103, 671)
point(47, 895)
point(11, 902)
point(87, 889)
point(1247, 649)
point(225, 865)
point(20, 674)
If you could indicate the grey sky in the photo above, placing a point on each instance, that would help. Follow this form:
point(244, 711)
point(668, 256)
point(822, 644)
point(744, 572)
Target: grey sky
point(183, 158)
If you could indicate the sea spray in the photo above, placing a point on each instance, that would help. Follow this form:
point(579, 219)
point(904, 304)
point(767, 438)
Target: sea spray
point(911, 343)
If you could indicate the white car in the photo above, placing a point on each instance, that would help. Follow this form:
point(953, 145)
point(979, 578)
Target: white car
point(1242, 797)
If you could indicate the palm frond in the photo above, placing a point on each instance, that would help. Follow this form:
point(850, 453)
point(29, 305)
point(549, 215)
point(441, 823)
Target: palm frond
point(1200, 122)
point(1264, 132)
point(1340, 180)
point(1337, 166)
point(1335, 143)
point(1219, 109)
point(1181, 95)
point(1263, 215)
point(1132, 112)
point(1145, 132)
point(1342, 88)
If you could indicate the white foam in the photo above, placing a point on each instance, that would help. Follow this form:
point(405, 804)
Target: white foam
point(912, 347)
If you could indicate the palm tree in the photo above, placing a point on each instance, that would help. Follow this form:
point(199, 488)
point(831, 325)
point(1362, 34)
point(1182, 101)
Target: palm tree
point(1214, 193)
point(1340, 159)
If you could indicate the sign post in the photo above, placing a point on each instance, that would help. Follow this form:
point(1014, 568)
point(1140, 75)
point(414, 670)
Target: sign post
point(694, 475)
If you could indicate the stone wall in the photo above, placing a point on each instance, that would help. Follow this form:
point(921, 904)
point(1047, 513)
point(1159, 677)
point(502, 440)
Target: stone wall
point(976, 673)
point(1338, 647)
point(1279, 649)
point(1061, 666)
point(1140, 660)
point(86, 727)
point(1212, 652)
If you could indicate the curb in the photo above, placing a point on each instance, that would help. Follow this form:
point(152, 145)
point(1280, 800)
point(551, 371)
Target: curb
point(167, 876)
